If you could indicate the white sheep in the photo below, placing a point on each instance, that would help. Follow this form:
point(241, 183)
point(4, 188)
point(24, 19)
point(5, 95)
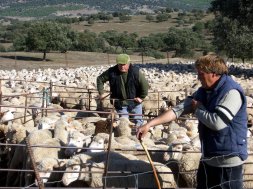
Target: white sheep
point(53, 150)
point(76, 141)
point(117, 163)
point(20, 155)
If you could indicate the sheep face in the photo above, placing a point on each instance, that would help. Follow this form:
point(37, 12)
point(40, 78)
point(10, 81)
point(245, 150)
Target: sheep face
point(72, 174)
point(175, 152)
point(76, 140)
point(97, 145)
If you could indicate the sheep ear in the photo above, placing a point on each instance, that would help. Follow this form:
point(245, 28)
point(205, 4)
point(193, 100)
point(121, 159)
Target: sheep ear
point(26, 133)
point(131, 123)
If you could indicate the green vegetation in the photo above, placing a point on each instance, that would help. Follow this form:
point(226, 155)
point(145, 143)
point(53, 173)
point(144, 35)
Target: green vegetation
point(34, 11)
point(35, 8)
point(155, 34)
point(45, 37)
point(233, 28)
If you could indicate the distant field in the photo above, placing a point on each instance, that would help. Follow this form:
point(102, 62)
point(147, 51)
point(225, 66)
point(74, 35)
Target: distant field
point(138, 24)
point(47, 8)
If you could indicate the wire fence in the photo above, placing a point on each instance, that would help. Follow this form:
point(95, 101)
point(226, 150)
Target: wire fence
point(45, 96)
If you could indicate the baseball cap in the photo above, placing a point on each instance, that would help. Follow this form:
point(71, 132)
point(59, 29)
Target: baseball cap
point(122, 59)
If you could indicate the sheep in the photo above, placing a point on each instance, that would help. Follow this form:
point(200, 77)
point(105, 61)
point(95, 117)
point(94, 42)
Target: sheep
point(7, 116)
point(162, 74)
point(40, 153)
point(247, 172)
point(61, 129)
point(76, 140)
point(46, 168)
point(117, 162)
point(19, 156)
point(151, 105)
point(179, 160)
point(123, 127)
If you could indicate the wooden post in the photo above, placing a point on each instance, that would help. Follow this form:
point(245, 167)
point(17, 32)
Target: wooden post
point(15, 60)
point(108, 58)
point(89, 97)
point(43, 102)
point(36, 171)
point(168, 57)
point(25, 108)
point(1, 94)
point(109, 148)
point(51, 90)
point(142, 58)
point(66, 59)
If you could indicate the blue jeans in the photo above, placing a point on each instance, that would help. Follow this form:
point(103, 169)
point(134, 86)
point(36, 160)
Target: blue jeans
point(219, 177)
point(137, 119)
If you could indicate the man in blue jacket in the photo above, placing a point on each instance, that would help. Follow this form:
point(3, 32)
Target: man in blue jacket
point(220, 106)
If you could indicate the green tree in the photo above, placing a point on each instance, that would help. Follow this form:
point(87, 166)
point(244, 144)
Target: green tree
point(125, 18)
point(91, 21)
point(111, 37)
point(162, 17)
point(88, 41)
point(47, 36)
point(150, 18)
point(233, 27)
point(198, 27)
point(240, 10)
point(234, 39)
point(182, 41)
point(126, 41)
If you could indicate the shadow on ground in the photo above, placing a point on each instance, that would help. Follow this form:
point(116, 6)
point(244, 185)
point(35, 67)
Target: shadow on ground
point(26, 58)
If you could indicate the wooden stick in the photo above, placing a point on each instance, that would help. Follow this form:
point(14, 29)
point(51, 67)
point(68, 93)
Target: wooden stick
point(152, 164)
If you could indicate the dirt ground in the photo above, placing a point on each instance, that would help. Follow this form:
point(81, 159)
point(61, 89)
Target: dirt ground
point(25, 60)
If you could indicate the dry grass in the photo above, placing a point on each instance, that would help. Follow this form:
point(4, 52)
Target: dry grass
point(72, 59)
point(137, 24)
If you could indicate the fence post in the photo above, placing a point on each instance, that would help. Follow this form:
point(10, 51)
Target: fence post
point(25, 107)
point(108, 58)
point(43, 102)
point(1, 95)
point(89, 97)
point(51, 90)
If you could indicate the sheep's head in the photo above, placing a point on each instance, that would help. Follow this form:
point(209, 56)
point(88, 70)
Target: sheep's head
point(76, 140)
point(123, 127)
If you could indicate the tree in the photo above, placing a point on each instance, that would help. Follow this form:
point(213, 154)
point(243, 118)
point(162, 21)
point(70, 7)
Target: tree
point(111, 37)
point(88, 41)
point(240, 10)
point(125, 18)
point(182, 41)
point(234, 39)
point(47, 36)
point(126, 41)
point(162, 17)
point(150, 17)
point(233, 27)
point(198, 27)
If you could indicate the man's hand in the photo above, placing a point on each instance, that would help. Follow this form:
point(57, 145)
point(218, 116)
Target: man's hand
point(137, 99)
point(142, 131)
point(195, 104)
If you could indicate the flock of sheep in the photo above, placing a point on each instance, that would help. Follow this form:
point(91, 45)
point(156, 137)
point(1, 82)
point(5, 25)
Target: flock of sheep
point(55, 132)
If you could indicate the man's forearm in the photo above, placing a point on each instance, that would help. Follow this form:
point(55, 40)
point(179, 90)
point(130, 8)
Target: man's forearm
point(167, 116)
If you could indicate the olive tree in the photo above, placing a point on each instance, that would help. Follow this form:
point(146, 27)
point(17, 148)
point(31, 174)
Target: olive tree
point(45, 37)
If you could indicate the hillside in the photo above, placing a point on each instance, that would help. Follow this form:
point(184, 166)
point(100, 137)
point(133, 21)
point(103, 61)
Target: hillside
point(50, 8)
